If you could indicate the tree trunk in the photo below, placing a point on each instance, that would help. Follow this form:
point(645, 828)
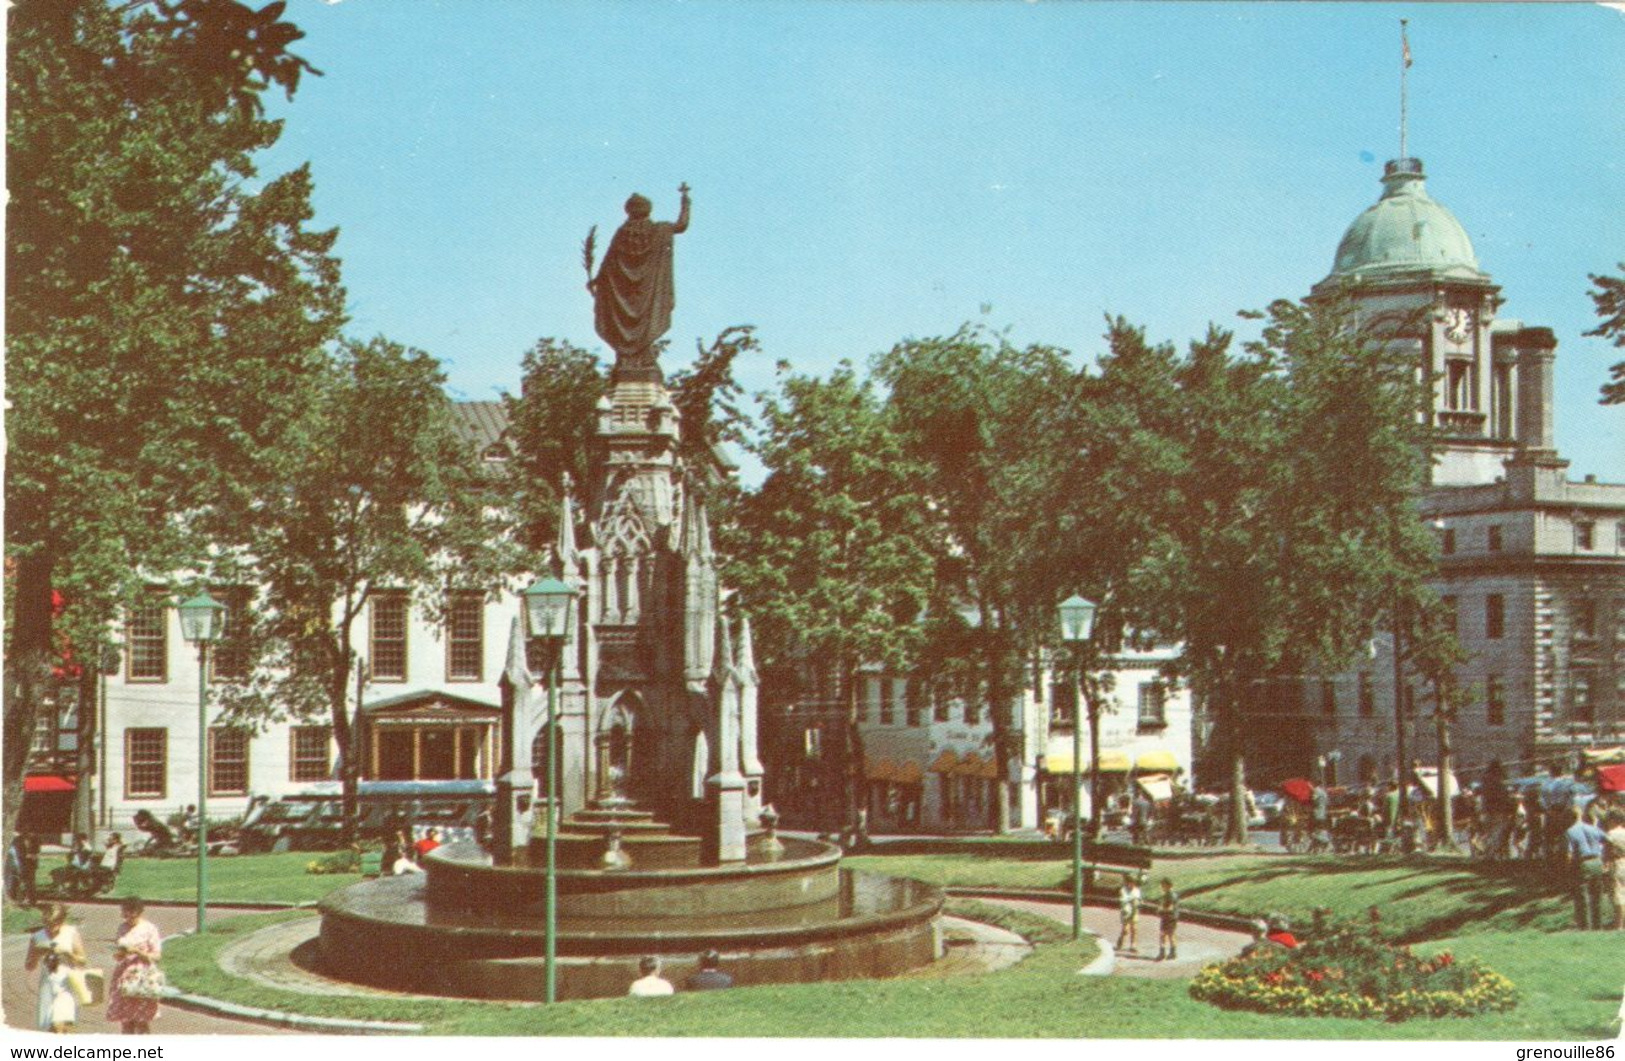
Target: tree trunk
point(1096, 809)
point(998, 717)
point(854, 795)
point(27, 677)
point(344, 735)
point(1447, 812)
point(1236, 830)
point(84, 801)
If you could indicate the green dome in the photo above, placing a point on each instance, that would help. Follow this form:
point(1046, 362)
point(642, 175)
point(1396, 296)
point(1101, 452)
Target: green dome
point(1405, 233)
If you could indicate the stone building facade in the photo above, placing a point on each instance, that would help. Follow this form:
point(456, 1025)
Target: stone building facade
point(929, 760)
point(655, 682)
point(1531, 562)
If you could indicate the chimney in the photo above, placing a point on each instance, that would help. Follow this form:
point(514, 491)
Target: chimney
point(1536, 351)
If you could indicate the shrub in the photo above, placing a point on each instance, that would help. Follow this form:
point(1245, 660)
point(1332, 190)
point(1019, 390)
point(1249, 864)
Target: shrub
point(344, 860)
point(1352, 973)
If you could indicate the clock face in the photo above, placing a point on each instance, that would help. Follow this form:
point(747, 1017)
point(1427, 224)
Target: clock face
point(1458, 324)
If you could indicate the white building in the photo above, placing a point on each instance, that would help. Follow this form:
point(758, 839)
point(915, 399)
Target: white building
point(929, 762)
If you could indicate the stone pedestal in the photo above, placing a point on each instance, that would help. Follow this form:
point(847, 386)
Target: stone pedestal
point(726, 798)
point(511, 817)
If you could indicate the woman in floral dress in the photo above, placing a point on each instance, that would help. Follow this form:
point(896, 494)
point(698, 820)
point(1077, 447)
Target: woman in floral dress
point(138, 947)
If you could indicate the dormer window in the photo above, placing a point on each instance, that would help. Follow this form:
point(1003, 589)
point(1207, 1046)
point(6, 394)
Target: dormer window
point(496, 453)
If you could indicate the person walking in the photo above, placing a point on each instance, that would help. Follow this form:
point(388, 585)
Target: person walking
point(710, 976)
point(57, 950)
point(1585, 844)
point(131, 995)
point(1167, 944)
point(1320, 837)
point(1128, 914)
point(1614, 856)
point(650, 984)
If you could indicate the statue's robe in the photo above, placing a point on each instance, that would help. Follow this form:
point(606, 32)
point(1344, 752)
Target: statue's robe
point(633, 293)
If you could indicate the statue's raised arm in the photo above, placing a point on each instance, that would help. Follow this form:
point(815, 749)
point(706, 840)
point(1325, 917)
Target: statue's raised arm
point(633, 293)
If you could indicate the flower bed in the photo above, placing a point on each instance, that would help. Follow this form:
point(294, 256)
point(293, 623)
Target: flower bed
point(1352, 973)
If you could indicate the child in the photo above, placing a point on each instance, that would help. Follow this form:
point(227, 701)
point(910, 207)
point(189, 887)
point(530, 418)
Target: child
point(1167, 946)
point(64, 1008)
point(1128, 910)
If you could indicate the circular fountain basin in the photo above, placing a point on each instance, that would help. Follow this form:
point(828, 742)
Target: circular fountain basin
point(471, 929)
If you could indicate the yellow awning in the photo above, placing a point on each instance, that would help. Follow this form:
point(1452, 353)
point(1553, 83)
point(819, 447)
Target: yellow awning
point(1111, 762)
point(1160, 761)
point(945, 762)
point(909, 773)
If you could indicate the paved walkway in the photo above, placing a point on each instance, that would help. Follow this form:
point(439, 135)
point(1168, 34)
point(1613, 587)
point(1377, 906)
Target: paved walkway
point(98, 924)
point(1199, 945)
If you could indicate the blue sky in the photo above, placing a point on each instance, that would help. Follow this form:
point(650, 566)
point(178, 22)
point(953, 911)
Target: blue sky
point(866, 172)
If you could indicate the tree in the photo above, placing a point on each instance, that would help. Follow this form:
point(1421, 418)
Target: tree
point(1298, 532)
point(833, 565)
point(552, 424)
point(159, 302)
point(378, 490)
point(1114, 501)
point(1609, 295)
point(981, 418)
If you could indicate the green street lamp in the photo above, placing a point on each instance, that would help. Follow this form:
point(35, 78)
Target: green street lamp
point(549, 613)
point(203, 622)
point(1077, 624)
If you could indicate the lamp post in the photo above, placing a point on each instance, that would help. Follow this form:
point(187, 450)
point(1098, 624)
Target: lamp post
point(1077, 623)
point(203, 621)
point(549, 608)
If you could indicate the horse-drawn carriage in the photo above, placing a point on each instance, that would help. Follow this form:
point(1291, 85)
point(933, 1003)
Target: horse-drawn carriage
point(1193, 820)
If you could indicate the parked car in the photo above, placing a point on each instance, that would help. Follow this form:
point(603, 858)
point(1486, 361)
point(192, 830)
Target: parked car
point(313, 820)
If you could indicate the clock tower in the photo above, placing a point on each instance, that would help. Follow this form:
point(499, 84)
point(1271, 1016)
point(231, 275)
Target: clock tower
point(1409, 268)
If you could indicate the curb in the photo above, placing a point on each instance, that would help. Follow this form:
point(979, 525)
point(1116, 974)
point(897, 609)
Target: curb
point(262, 904)
point(331, 1025)
point(1105, 962)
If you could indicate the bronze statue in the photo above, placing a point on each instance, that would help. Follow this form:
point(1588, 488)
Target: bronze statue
point(633, 293)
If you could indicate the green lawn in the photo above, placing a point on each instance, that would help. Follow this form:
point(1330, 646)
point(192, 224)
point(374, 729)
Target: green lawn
point(1569, 984)
point(1419, 898)
point(232, 878)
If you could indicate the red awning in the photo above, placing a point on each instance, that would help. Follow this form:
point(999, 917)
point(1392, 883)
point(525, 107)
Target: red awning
point(1611, 778)
point(48, 783)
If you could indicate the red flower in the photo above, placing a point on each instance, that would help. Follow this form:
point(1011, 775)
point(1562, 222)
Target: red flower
point(1314, 976)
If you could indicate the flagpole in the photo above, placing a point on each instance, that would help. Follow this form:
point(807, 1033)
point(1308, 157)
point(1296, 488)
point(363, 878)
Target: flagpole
point(1404, 65)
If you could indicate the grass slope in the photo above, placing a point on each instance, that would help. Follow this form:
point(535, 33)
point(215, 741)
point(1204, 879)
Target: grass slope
point(1569, 985)
point(1419, 898)
point(232, 878)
